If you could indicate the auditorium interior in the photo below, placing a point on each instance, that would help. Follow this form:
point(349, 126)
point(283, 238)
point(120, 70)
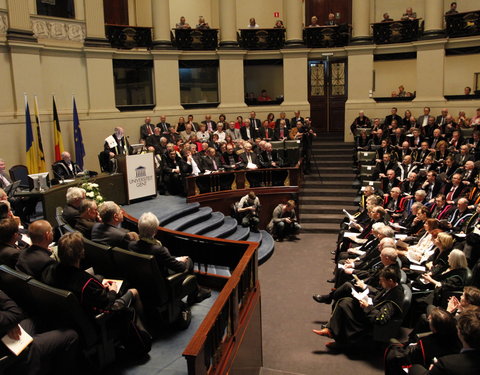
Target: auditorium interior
point(386, 98)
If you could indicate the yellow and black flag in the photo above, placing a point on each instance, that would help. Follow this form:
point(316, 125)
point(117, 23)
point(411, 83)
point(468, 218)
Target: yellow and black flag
point(57, 134)
point(41, 165)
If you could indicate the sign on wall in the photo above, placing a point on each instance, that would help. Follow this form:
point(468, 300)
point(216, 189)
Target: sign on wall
point(140, 176)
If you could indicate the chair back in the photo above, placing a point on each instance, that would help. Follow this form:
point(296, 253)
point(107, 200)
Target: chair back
point(14, 284)
point(20, 172)
point(62, 306)
point(142, 272)
point(100, 257)
point(366, 156)
point(476, 275)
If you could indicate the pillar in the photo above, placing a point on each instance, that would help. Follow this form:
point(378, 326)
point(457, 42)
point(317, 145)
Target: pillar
point(166, 80)
point(228, 25)
point(295, 77)
point(231, 79)
point(294, 22)
point(433, 27)
point(19, 26)
point(100, 82)
point(95, 24)
point(161, 24)
point(360, 21)
point(430, 69)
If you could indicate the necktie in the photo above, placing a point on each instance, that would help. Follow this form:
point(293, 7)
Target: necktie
point(214, 164)
point(281, 133)
point(450, 194)
point(4, 179)
point(149, 130)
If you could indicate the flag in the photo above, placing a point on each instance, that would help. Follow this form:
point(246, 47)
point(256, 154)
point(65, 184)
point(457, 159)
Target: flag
point(57, 134)
point(30, 142)
point(38, 143)
point(77, 135)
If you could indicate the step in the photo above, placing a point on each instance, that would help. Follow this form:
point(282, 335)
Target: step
point(330, 184)
point(321, 190)
point(320, 228)
point(322, 218)
point(336, 162)
point(229, 226)
point(168, 216)
point(336, 170)
point(326, 209)
point(266, 248)
point(330, 146)
point(255, 236)
point(183, 222)
point(215, 220)
point(240, 234)
point(333, 143)
point(327, 199)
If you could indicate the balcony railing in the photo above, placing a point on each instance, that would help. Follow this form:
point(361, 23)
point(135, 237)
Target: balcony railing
point(327, 36)
point(128, 37)
point(396, 31)
point(253, 39)
point(195, 39)
point(463, 24)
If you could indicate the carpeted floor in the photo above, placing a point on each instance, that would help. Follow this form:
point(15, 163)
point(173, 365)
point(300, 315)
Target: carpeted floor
point(295, 272)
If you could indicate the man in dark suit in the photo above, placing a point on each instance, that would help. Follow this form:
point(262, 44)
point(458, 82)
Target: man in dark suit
point(467, 362)
point(154, 141)
point(146, 129)
point(34, 259)
point(442, 118)
point(454, 189)
point(248, 132)
point(248, 157)
point(422, 153)
point(282, 117)
point(4, 177)
point(297, 118)
point(254, 121)
point(211, 161)
point(432, 186)
point(433, 141)
point(281, 132)
point(392, 116)
point(75, 196)
point(88, 218)
point(383, 166)
point(66, 168)
point(148, 244)
point(463, 156)
point(230, 158)
point(423, 119)
point(164, 126)
point(174, 170)
point(108, 231)
point(265, 132)
point(9, 235)
point(211, 125)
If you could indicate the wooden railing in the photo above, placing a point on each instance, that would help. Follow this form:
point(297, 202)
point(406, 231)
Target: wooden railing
point(262, 38)
point(242, 179)
point(128, 37)
point(212, 348)
point(196, 39)
point(327, 36)
point(396, 31)
point(463, 24)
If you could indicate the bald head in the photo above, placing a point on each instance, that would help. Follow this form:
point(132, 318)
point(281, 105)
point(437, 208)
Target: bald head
point(40, 233)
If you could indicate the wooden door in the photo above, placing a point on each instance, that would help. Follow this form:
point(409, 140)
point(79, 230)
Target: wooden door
point(327, 85)
point(115, 12)
point(321, 8)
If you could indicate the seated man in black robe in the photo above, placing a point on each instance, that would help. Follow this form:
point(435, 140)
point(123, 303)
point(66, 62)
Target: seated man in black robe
point(353, 318)
point(109, 231)
point(148, 244)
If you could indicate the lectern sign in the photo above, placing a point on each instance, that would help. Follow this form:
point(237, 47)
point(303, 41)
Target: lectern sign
point(140, 176)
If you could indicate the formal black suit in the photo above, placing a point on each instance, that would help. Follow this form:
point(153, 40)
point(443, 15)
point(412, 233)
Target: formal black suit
point(287, 123)
point(33, 260)
point(464, 363)
point(253, 133)
point(146, 130)
point(255, 123)
point(244, 159)
point(165, 261)
point(70, 214)
point(213, 125)
point(230, 159)
point(154, 141)
point(9, 254)
point(175, 181)
point(85, 226)
point(63, 171)
point(294, 121)
point(212, 163)
point(165, 127)
point(266, 134)
point(390, 118)
point(109, 235)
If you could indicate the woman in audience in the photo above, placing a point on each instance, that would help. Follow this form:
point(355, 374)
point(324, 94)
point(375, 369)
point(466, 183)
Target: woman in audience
point(271, 120)
point(438, 262)
point(469, 300)
point(361, 142)
point(425, 243)
point(239, 123)
point(180, 125)
point(222, 118)
point(406, 119)
point(202, 24)
point(442, 341)
point(442, 151)
point(476, 119)
point(462, 120)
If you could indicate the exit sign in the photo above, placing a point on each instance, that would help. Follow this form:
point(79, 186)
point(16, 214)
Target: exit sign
point(276, 14)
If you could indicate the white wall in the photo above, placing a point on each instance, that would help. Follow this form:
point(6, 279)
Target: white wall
point(391, 74)
point(459, 72)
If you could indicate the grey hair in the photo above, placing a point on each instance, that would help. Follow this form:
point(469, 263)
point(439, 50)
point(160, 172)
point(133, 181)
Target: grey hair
point(457, 259)
point(107, 210)
point(74, 193)
point(147, 225)
point(387, 231)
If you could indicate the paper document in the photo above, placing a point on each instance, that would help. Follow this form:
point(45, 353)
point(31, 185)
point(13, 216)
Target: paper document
point(111, 141)
point(118, 282)
point(400, 236)
point(363, 296)
point(17, 346)
point(414, 267)
point(350, 217)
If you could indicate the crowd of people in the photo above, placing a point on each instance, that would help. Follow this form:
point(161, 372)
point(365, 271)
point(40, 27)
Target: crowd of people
point(417, 231)
point(57, 348)
point(192, 148)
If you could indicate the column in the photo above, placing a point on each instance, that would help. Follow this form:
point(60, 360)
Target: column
point(430, 71)
point(231, 84)
point(295, 77)
point(95, 24)
point(360, 21)
point(433, 19)
point(167, 80)
point(100, 83)
point(228, 24)
point(161, 24)
point(19, 27)
point(293, 10)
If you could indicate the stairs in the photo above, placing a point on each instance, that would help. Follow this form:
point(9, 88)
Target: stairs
point(323, 197)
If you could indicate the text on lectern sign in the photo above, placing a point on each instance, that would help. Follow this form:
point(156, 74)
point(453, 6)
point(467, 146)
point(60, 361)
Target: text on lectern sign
point(140, 176)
